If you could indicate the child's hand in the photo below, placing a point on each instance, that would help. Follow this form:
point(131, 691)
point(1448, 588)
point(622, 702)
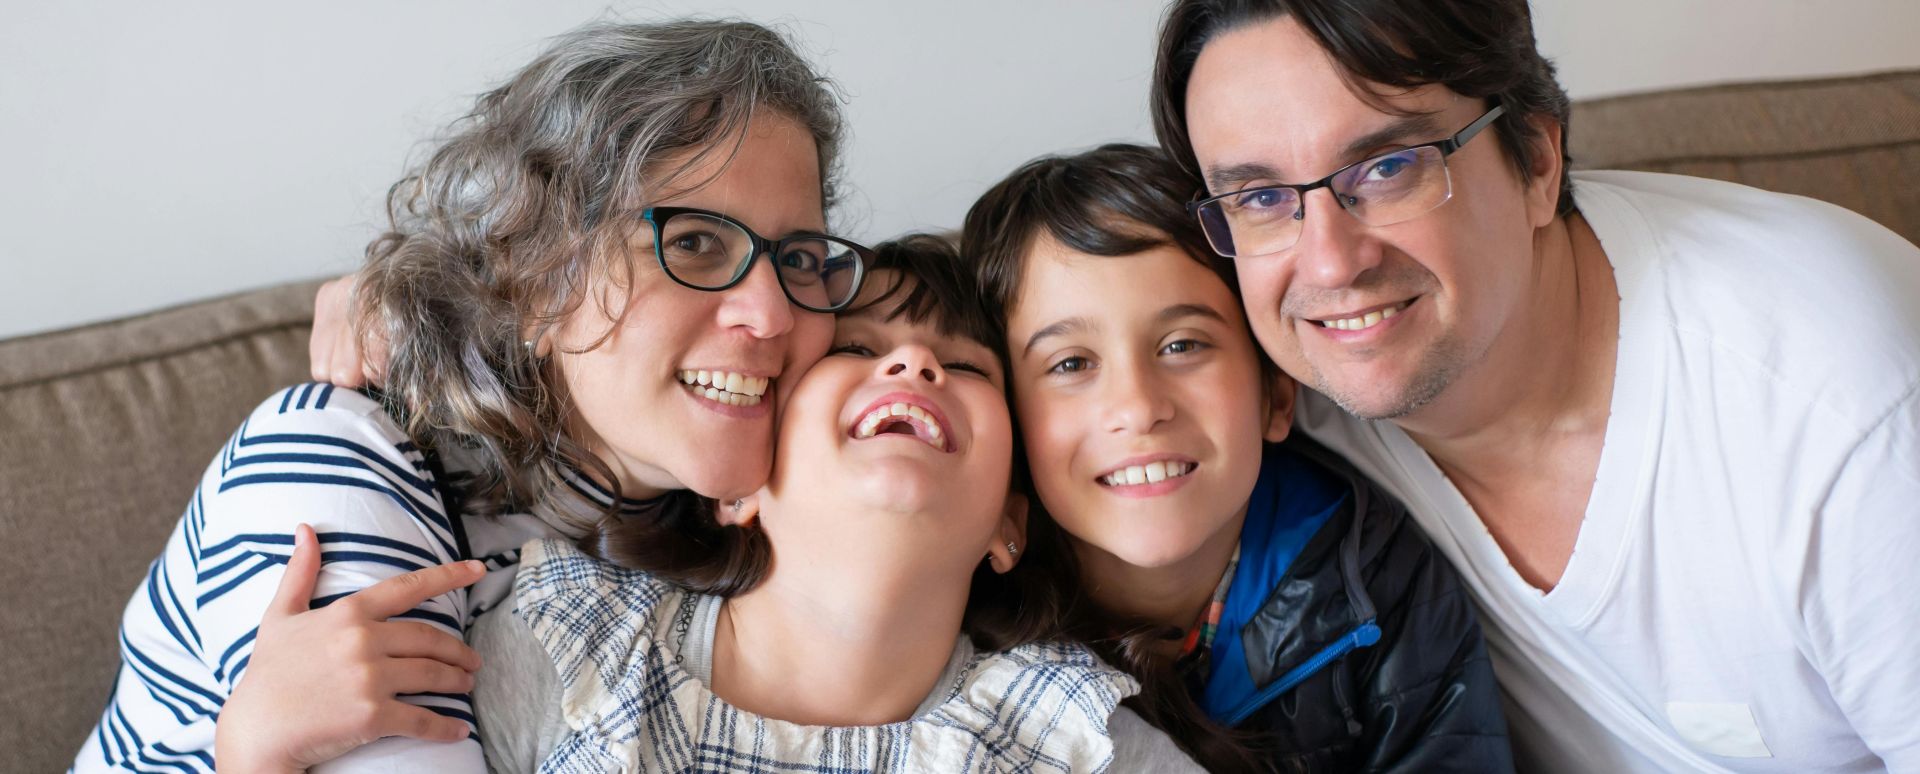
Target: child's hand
point(333, 348)
point(323, 682)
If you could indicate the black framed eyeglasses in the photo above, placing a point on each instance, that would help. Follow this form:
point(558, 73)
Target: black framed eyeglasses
point(1381, 190)
point(706, 250)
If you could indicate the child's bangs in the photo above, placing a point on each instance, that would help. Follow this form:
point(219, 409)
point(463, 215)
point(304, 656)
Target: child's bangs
point(920, 278)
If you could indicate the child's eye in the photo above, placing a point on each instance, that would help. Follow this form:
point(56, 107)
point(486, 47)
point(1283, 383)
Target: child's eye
point(964, 365)
point(854, 348)
point(1183, 347)
point(1072, 365)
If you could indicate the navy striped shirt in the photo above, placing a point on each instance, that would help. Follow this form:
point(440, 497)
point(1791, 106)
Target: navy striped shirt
point(333, 459)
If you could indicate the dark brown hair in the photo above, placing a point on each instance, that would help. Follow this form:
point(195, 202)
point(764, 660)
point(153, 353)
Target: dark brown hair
point(680, 540)
point(1483, 49)
point(1114, 200)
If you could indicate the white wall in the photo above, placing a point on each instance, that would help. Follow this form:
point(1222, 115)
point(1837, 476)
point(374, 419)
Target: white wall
point(164, 152)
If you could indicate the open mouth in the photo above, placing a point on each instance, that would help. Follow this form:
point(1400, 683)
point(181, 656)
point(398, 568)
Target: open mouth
point(732, 389)
point(1149, 473)
point(892, 417)
point(1363, 321)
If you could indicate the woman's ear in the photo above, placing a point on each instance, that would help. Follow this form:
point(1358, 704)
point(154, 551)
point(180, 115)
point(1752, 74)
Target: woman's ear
point(1010, 540)
point(538, 340)
point(1281, 392)
point(738, 513)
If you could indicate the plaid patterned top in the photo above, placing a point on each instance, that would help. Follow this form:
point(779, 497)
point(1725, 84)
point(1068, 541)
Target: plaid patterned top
point(629, 706)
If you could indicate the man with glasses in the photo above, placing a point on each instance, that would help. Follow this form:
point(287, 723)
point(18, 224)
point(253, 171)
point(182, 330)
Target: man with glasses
point(1668, 429)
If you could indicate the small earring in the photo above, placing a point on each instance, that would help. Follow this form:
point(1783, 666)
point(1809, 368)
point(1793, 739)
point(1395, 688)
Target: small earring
point(740, 503)
point(1012, 550)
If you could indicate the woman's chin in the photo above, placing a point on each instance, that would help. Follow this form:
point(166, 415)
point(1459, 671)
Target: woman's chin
point(724, 483)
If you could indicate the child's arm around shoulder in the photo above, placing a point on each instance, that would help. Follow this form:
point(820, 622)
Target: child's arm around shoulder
point(322, 687)
point(330, 457)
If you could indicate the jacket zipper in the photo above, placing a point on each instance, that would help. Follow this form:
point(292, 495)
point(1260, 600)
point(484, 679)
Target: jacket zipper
point(1367, 634)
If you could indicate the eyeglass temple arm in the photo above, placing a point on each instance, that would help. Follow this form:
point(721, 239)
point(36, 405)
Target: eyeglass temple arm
point(1453, 143)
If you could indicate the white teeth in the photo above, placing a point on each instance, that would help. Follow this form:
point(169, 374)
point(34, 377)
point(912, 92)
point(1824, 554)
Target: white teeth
point(921, 417)
point(1365, 321)
point(726, 387)
point(1150, 473)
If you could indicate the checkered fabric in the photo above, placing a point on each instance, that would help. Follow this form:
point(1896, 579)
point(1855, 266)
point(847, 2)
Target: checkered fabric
point(630, 707)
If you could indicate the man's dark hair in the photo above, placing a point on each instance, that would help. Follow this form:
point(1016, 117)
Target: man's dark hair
point(1483, 49)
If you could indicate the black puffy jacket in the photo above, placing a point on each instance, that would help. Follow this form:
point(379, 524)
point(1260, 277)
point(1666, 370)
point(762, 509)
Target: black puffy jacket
point(1347, 642)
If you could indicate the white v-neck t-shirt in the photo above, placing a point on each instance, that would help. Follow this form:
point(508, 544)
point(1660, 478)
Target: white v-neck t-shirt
point(1744, 593)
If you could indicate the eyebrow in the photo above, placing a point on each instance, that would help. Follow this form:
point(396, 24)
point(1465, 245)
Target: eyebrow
point(1078, 324)
point(1232, 177)
point(1059, 328)
point(1182, 311)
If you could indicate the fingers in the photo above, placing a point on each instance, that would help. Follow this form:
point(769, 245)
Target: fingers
point(401, 593)
point(346, 345)
point(333, 347)
point(328, 319)
point(347, 369)
point(295, 591)
point(423, 675)
point(415, 640)
point(402, 719)
point(372, 360)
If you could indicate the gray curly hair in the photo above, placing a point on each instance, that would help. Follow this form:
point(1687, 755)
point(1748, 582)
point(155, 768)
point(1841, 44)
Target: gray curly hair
point(501, 228)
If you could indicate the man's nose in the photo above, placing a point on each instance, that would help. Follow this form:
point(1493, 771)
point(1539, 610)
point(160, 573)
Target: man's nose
point(1334, 248)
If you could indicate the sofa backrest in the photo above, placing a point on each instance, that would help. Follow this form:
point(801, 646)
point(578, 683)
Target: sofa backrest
point(104, 431)
point(1851, 141)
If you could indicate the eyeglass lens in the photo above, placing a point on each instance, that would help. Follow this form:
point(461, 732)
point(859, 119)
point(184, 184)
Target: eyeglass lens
point(1381, 191)
point(706, 252)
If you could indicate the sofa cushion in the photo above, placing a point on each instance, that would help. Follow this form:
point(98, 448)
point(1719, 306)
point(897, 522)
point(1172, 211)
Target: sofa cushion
point(104, 431)
point(1851, 141)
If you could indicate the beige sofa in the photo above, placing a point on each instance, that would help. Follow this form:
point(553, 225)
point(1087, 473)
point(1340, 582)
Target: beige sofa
point(105, 429)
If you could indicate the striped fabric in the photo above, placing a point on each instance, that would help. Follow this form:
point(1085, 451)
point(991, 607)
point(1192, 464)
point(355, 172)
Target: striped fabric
point(330, 458)
point(631, 706)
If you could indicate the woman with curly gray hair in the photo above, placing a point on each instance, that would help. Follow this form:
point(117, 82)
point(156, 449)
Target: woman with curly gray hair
point(581, 330)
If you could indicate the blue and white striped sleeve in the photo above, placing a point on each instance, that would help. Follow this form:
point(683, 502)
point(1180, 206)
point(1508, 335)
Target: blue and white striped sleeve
point(330, 458)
